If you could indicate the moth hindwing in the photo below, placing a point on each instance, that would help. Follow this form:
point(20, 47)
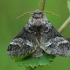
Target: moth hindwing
point(38, 36)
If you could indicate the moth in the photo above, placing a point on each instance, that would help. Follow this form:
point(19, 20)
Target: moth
point(38, 36)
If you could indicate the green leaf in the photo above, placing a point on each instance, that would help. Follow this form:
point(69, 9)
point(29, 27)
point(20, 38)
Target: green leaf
point(68, 5)
point(36, 61)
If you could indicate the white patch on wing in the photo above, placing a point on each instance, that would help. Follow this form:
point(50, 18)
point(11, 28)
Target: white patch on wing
point(14, 43)
point(29, 43)
point(60, 40)
point(48, 44)
point(17, 41)
point(65, 41)
point(56, 41)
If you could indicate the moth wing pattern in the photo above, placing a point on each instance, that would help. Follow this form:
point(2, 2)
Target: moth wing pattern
point(22, 44)
point(54, 43)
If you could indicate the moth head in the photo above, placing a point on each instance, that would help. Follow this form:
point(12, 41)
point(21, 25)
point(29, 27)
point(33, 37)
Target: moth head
point(37, 18)
point(37, 14)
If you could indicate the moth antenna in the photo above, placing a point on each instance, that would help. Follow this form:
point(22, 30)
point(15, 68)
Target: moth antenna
point(24, 14)
point(51, 13)
point(33, 11)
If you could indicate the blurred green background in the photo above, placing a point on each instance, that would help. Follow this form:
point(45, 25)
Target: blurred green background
point(10, 27)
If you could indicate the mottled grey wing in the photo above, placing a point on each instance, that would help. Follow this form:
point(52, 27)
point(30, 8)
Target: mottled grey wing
point(22, 44)
point(53, 42)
